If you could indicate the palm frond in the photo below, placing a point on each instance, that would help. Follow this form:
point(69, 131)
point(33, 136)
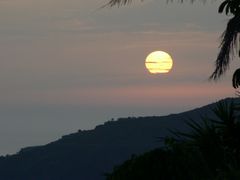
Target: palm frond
point(224, 110)
point(223, 6)
point(236, 79)
point(119, 3)
point(227, 47)
point(225, 117)
point(230, 6)
point(198, 130)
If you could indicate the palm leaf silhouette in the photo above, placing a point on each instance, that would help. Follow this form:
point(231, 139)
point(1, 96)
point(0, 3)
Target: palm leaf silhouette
point(228, 47)
point(236, 79)
point(118, 3)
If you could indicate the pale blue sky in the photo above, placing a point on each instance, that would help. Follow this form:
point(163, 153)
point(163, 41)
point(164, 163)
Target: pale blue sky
point(67, 65)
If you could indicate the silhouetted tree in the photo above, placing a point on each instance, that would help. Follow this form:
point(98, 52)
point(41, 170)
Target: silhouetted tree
point(211, 150)
point(229, 45)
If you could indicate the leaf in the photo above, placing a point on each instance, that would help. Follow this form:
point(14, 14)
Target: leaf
point(222, 6)
point(236, 79)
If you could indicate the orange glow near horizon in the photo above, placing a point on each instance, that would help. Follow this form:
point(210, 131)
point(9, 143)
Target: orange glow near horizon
point(158, 62)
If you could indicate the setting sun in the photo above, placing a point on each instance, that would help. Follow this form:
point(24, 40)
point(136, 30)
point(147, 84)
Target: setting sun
point(158, 62)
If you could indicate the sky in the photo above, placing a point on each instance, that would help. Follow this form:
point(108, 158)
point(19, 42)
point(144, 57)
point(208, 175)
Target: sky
point(70, 65)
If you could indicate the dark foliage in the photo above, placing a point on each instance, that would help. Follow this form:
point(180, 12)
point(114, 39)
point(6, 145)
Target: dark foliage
point(118, 3)
point(236, 79)
point(210, 151)
point(228, 47)
point(87, 155)
point(230, 6)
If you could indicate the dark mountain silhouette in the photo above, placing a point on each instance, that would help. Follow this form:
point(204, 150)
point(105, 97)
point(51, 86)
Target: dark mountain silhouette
point(87, 155)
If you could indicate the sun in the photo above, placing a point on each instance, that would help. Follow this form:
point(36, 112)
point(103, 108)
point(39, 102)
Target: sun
point(158, 62)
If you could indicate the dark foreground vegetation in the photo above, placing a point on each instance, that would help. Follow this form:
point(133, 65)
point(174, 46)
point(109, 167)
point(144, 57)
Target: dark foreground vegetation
point(210, 151)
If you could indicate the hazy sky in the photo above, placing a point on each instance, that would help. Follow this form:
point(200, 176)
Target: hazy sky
point(67, 65)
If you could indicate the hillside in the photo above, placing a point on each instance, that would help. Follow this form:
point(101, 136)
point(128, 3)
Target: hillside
point(87, 155)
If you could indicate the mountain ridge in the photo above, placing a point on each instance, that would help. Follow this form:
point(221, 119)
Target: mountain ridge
point(88, 154)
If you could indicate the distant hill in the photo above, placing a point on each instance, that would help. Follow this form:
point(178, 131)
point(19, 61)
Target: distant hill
point(87, 155)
